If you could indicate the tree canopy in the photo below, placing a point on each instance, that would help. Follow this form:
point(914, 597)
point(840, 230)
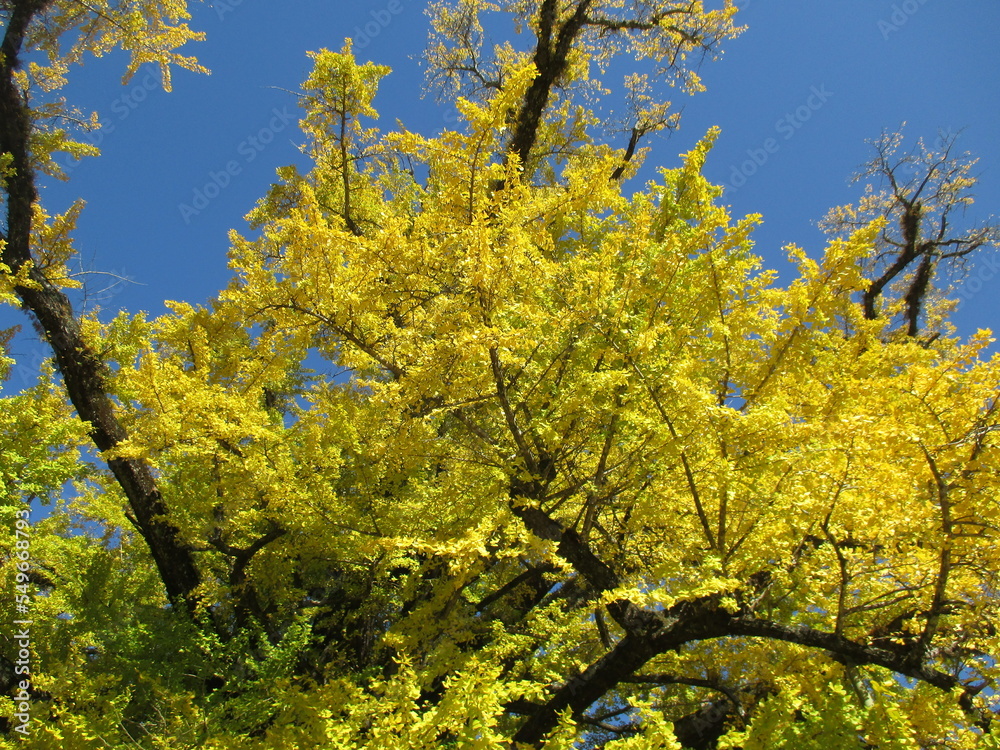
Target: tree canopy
point(586, 475)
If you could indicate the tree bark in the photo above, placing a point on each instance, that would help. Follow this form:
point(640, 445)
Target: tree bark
point(83, 372)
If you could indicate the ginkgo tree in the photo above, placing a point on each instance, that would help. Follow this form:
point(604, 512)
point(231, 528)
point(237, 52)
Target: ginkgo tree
point(586, 477)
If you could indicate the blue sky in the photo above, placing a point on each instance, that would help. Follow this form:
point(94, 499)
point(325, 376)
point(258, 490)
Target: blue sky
point(817, 77)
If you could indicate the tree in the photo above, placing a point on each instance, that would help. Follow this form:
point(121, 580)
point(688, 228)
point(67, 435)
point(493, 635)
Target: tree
point(918, 196)
point(588, 477)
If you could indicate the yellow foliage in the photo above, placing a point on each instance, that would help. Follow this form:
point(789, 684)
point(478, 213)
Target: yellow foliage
point(480, 449)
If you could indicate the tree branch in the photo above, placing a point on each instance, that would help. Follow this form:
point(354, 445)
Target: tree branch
point(551, 58)
point(84, 373)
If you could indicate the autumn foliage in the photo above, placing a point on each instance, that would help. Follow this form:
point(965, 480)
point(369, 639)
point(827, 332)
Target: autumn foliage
point(484, 446)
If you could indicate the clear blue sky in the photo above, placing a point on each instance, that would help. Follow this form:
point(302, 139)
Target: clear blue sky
point(863, 65)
